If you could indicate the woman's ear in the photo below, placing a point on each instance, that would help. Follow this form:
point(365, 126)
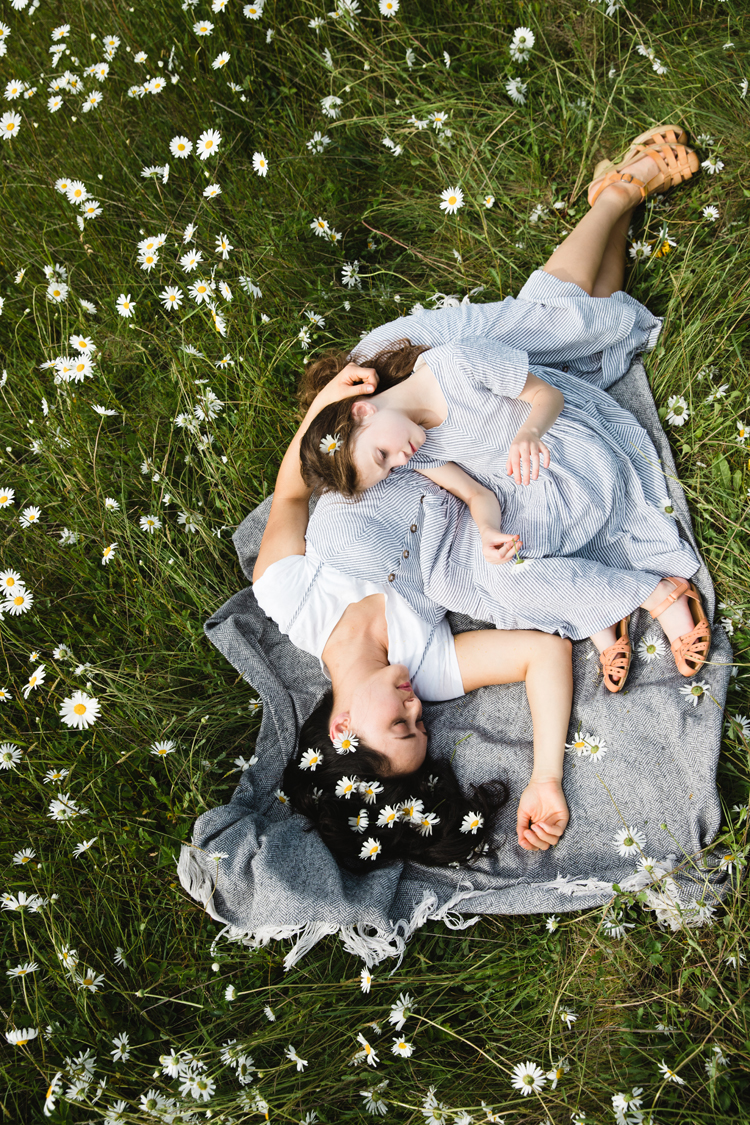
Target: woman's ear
point(362, 409)
point(339, 725)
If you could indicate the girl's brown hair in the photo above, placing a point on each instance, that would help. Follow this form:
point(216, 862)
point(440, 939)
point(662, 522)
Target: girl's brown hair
point(336, 472)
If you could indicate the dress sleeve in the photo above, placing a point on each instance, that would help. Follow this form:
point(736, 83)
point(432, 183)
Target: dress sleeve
point(495, 366)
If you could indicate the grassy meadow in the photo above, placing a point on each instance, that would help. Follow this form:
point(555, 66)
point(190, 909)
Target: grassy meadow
point(136, 438)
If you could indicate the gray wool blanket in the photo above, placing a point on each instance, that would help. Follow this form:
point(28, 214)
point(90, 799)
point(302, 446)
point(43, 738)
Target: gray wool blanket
point(276, 880)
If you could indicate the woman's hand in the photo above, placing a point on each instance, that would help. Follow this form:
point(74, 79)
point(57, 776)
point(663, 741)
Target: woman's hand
point(497, 547)
point(525, 456)
point(351, 380)
point(543, 804)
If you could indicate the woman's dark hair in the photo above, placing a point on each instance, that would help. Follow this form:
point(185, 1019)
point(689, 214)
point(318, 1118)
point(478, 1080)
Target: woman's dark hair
point(336, 472)
point(313, 793)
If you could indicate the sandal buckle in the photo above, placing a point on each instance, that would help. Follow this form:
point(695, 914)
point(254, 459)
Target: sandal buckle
point(626, 177)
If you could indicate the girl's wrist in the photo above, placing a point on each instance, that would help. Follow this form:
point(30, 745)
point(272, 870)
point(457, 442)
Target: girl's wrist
point(546, 777)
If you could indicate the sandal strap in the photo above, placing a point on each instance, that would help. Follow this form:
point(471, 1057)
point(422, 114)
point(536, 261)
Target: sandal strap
point(693, 646)
point(682, 586)
point(615, 177)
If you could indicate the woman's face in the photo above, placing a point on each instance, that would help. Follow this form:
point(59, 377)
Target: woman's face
point(386, 714)
point(385, 439)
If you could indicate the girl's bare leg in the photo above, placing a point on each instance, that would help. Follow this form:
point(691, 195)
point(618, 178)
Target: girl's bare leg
point(611, 275)
point(585, 250)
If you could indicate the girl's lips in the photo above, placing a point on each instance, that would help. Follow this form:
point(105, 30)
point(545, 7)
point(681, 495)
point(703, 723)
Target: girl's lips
point(412, 447)
point(405, 686)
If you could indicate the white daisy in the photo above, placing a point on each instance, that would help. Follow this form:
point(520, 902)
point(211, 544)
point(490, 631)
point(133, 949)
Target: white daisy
point(670, 1075)
point(579, 745)
point(79, 710)
point(471, 822)
point(360, 822)
point(629, 841)
point(371, 849)
point(651, 647)
point(677, 410)
point(345, 743)
point(211, 191)
point(57, 291)
point(388, 816)
point(36, 679)
point(83, 847)
point(711, 212)
point(260, 164)
point(516, 88)
point(29, 516)
point(330, 445)
point(10, 755)
point(712, 165)
point(6, 496)
point(310, 760)
point(171, 297)
point(452, 199)
point(221, 60)
point(345, 786)
point(125, 305)
point(207, 143)
point(108, 553)
point(695, 690)
point(150, 524)
point(528, 1078)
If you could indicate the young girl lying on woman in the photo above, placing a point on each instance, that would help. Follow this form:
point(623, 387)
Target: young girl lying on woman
point(362, 773)
point(593, 489)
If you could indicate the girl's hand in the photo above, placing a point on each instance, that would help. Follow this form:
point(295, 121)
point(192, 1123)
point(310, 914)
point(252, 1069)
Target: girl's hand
point(543, 804)
point(351, 380)
point(525, 456)
point(499, 548)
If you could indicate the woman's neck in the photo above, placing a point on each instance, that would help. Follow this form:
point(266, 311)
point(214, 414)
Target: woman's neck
point(357, 647)
point(419, 397)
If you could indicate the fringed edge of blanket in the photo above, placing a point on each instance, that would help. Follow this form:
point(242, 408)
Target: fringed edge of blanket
point(659, 892)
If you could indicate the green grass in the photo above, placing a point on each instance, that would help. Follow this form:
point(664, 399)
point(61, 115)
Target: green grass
point(486, 998)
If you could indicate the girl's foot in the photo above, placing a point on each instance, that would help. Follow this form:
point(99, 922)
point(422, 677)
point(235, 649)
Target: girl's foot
point(605, 637)
point(677, 619)
point(642, 168)
point(654, 170)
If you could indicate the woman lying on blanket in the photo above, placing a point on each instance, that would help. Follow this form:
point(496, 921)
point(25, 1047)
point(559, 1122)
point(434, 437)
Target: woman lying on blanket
point(362, 773)
point(462, 400)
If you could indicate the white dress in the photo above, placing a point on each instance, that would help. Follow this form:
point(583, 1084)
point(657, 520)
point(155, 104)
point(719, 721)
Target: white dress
point(307, 597)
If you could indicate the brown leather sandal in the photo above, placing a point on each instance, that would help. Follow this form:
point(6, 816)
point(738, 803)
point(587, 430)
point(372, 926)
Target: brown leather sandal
point(676, 163)
point(659, 135)
point(691, 649)
point(616, 659)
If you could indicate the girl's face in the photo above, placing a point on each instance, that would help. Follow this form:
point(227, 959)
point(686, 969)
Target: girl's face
point(387, 715)
point(385, 439)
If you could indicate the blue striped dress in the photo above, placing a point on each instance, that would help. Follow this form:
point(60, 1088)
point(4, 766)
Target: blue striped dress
point(409, 532)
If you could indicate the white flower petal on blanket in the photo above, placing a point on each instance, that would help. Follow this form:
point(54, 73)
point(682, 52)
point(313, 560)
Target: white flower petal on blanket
point(596, 748)
point(580, 744)
point(629, 841)
point(651, 647)
point(694, 691)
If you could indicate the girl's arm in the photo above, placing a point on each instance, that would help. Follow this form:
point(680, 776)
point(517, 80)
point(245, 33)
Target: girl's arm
point(484, 507)
point(543, 661)
point(287, 521)
point(527, 451)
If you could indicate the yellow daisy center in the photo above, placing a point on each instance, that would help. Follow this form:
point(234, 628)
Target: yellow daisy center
point(80, 708)
point(452, 199)
point(18, 600)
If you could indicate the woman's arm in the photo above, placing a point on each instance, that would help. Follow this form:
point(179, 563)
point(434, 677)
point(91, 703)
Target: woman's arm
point(527, 451)
point(287, 521)
point(543, 662)
point(484, 507)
